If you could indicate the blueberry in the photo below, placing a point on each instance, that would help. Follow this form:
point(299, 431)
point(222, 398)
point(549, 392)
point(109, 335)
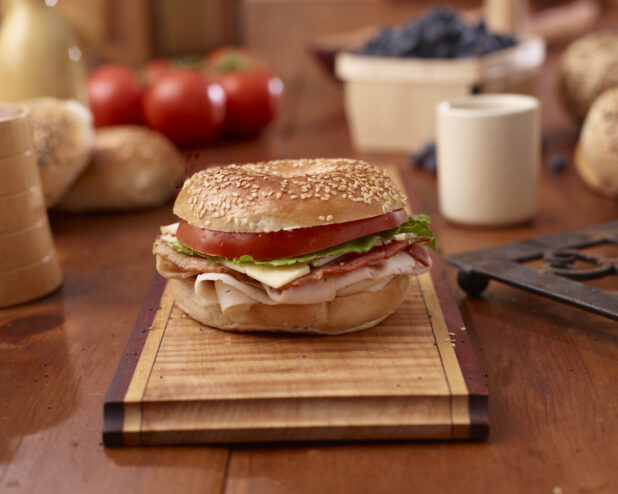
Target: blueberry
point(416, 159)
point(434, 33)
point(505, 41)
point(556, 163)
point(430, 148)
point(430, 163)
point(442, 50)
point(440, 33)
point(492, 44)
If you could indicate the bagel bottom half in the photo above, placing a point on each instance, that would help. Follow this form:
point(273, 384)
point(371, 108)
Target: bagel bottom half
point(343, 315)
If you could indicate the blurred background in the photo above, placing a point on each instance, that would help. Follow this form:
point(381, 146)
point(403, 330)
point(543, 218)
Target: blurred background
point(136, 31)
point(285, 33)
point(111, 55)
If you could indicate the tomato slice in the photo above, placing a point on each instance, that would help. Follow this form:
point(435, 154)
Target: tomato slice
point(284, 243)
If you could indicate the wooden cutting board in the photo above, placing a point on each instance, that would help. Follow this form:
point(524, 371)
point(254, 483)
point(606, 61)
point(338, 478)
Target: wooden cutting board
point(412, 377)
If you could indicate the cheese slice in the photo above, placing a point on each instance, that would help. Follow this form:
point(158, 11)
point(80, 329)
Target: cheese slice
point(273, 276)
point(170, 229)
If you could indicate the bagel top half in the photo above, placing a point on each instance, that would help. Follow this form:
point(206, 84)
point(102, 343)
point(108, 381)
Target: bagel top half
point(286, 194)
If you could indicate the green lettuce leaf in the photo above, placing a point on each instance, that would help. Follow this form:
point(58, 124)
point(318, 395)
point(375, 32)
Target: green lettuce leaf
point(176, 245)
point(417, 224)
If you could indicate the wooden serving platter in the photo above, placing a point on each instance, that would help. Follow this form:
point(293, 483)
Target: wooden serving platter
point(412, 377)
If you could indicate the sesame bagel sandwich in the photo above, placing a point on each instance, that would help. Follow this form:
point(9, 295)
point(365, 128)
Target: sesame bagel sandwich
point(299, 246)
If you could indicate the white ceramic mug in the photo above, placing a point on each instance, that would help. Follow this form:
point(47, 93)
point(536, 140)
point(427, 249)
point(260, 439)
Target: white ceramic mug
point(488, 155)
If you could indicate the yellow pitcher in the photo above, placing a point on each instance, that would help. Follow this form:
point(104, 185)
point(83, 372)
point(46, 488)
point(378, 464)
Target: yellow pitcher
point(38, 54)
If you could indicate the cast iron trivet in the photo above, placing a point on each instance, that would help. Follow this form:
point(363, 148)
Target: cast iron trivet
point(559, 277)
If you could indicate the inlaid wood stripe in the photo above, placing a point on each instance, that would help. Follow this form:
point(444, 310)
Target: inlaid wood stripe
point(468, 363)
point(137, 386)
point(114, 408)
point(459, 392)
point(472, 374)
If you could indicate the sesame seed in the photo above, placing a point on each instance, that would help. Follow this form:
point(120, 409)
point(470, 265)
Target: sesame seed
point(221, 192)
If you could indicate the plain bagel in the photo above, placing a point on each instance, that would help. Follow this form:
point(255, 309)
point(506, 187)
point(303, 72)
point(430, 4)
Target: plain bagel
point(596, 156)
point(132, 167)
point(588, 67)
point(63, 138)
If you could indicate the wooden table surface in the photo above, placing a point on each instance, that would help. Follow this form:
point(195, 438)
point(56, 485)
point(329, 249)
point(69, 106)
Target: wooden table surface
point(552, 370)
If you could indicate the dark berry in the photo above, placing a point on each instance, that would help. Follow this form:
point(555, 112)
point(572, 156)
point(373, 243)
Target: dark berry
point(430, 163)
point(430, 148)
point(440, 33)
point(416, 159)
point(557, 163)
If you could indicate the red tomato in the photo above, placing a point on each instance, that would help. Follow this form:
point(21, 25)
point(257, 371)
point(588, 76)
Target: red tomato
point(157, 69)
point(185, 106)
point(253, 91)
point(232, 58)
point(284, 243)
point(114, 94)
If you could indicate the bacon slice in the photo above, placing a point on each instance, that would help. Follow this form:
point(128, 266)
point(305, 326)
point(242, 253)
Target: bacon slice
point(355, 261)
point(420, 254)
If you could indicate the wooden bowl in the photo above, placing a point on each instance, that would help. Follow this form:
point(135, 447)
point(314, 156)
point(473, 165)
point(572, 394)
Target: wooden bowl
point(25, 247)
point(15, 132)
point(21, 210)
point(28, 264)
point(29, 282)
point(18, 173)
